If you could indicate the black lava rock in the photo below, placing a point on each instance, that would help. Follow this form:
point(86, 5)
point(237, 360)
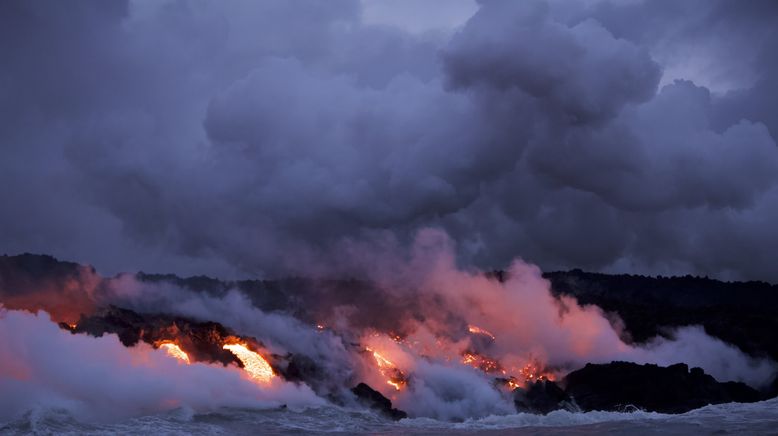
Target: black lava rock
point(542, 397)
point(201, 340)
point(672, 389)
point(376, 401)
point(739, 313)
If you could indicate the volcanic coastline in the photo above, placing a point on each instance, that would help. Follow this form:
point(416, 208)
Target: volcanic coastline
point(642, 308)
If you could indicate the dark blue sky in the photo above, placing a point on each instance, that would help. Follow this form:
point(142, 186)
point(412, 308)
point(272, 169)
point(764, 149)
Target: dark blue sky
point(261, 137)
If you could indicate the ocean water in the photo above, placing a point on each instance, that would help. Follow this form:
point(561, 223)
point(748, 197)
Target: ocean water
point(735, 419)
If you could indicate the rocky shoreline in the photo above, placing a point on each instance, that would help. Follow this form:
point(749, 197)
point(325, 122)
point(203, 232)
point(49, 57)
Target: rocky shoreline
point(615, 386)
point(646, 305)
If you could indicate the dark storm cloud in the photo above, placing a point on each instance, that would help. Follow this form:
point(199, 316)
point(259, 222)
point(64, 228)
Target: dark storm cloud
point(227, 138)
point(579, 74)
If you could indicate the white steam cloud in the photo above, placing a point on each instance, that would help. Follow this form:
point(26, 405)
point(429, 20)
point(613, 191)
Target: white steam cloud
point(43, 366)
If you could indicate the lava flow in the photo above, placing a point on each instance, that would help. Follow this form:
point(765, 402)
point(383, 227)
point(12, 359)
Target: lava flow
point(479, 331)
point(174, 350)
point(254, 364)
point(533, 372)
point(394, 377)
point(483, 363)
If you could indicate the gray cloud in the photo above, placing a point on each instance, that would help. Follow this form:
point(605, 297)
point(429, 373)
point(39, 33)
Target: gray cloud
point(251, 138)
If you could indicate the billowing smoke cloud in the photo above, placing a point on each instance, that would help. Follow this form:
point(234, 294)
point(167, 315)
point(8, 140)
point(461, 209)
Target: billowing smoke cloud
point(528, 323)
point(99, 379)
point(221, 139)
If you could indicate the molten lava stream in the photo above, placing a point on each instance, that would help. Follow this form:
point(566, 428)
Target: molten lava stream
point(394, 377)
point(174, 350)
point(254, 364)
point(479, 331)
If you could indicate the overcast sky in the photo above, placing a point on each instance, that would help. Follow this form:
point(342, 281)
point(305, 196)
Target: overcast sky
point(248, 138)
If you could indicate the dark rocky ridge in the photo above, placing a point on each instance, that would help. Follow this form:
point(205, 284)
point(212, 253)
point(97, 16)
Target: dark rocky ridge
point(672, 389)
point(624, 386)
point(201, 340)
point(740, 313)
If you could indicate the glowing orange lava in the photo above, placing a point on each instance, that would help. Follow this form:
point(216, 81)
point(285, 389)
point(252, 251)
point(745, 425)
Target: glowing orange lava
point(532, 372)
point(483, 363)
point(479, 331)
point(174, 350)
point(513, 384)
point(254, 364)
point(383, 362)
point(395, 377)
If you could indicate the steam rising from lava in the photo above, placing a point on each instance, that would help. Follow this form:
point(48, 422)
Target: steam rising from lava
point(99, 379)
point(439, 340)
